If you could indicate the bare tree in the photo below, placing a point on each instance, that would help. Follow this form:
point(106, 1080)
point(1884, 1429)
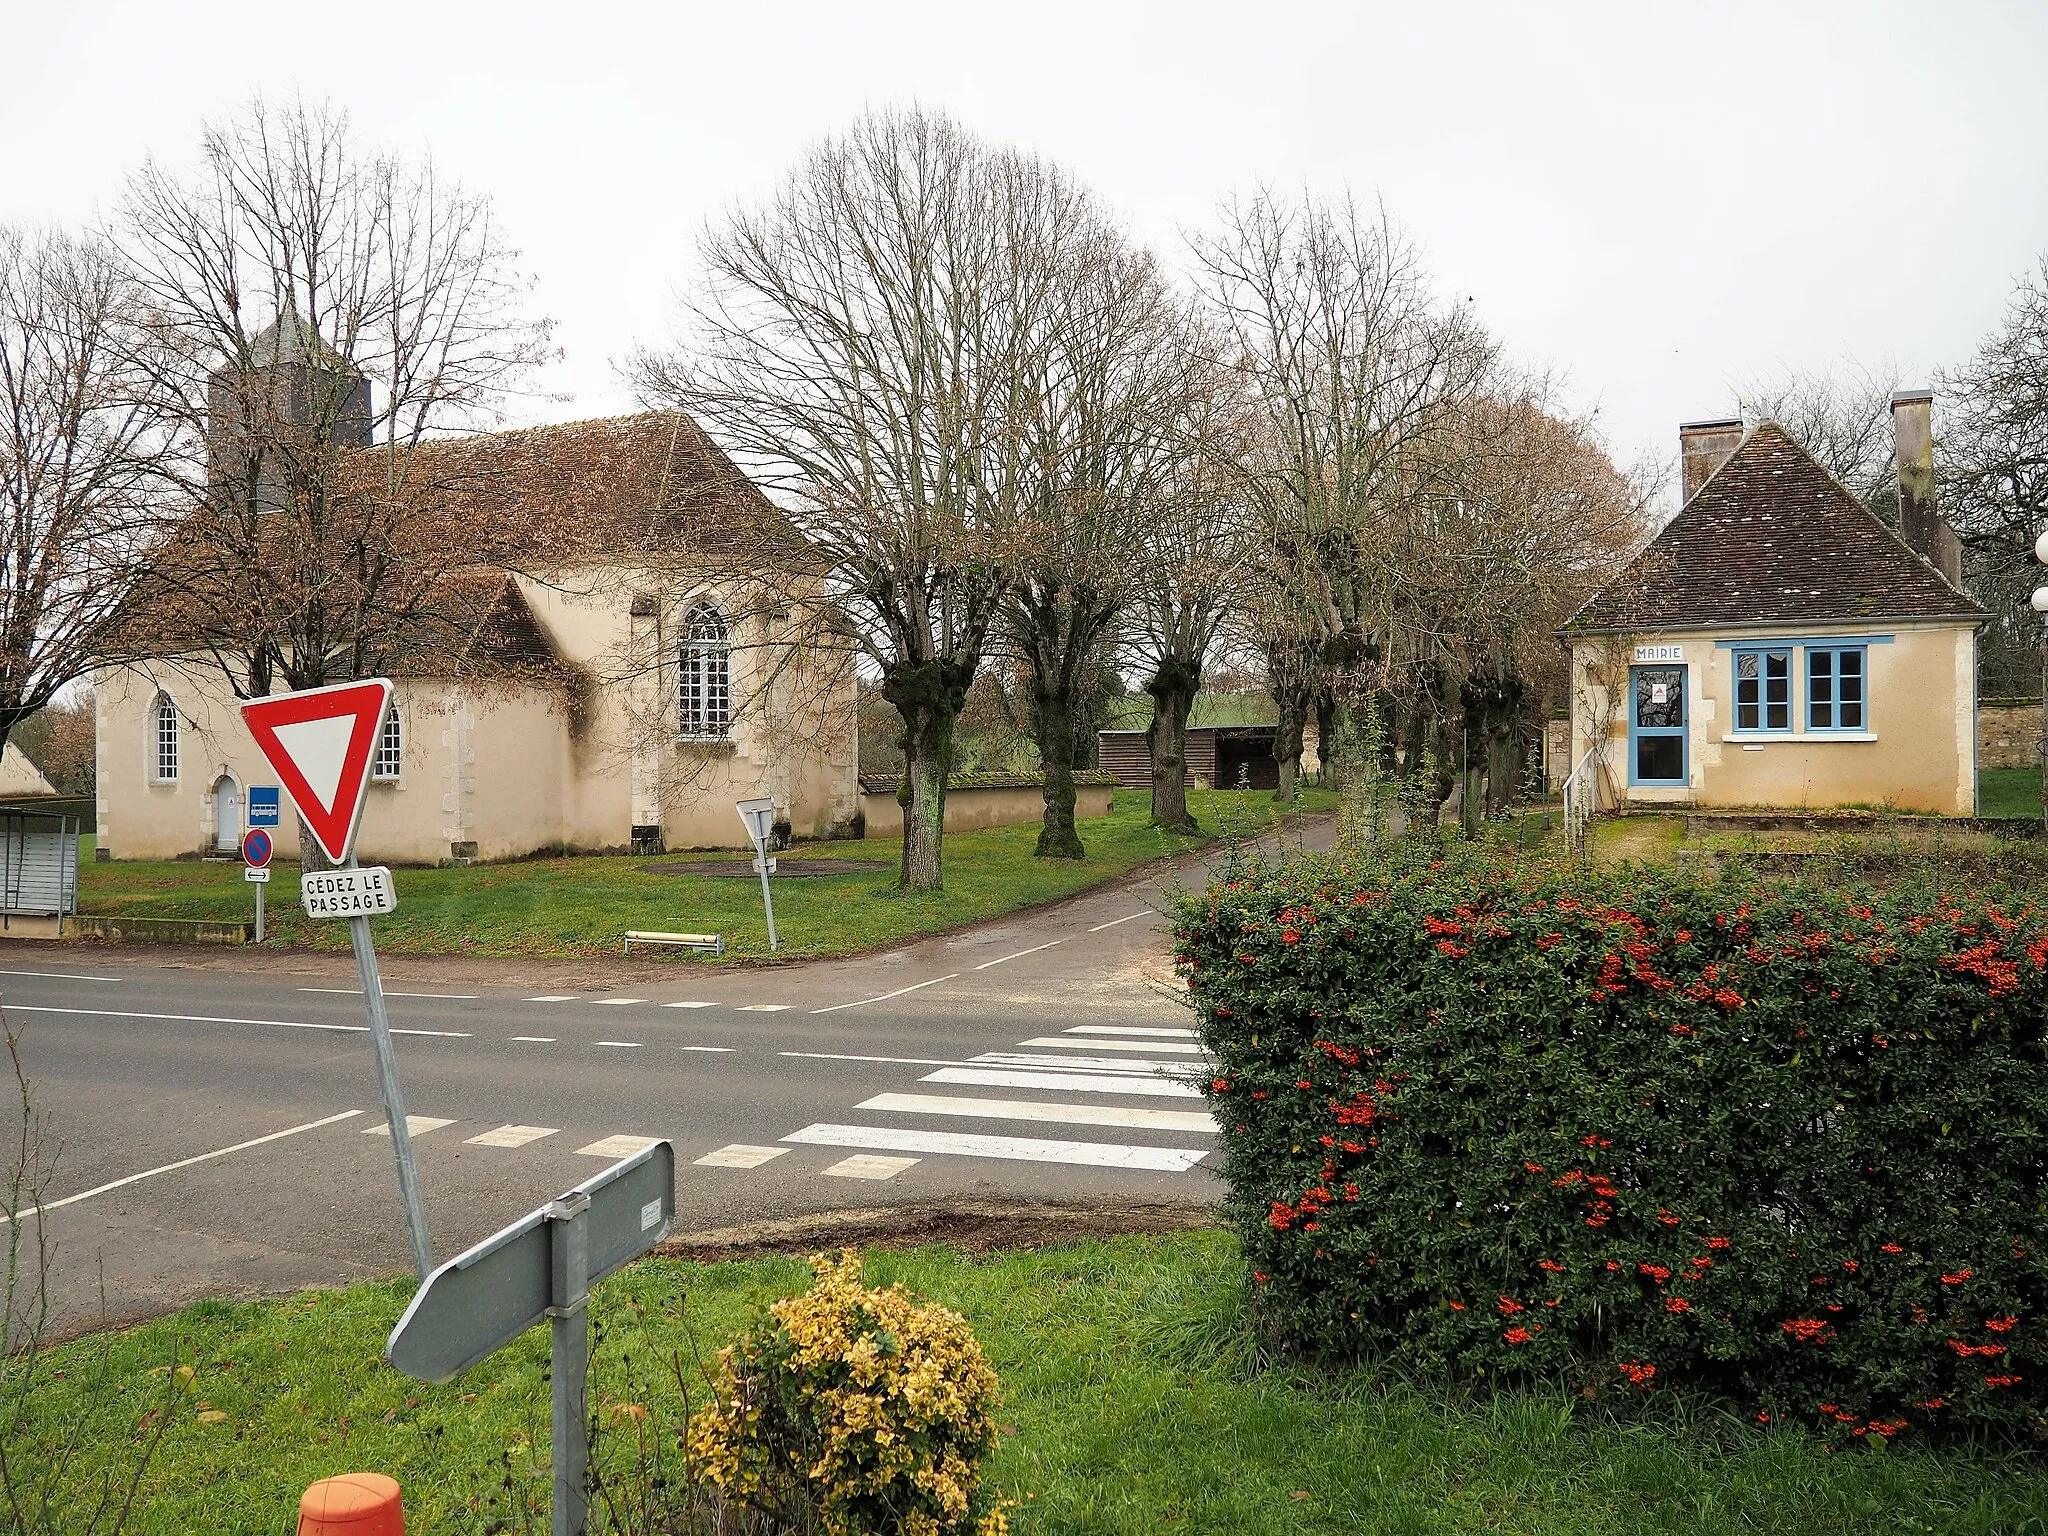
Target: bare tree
point(1844, 419)
point(315, 313)
point(1107, 389)
point(866, 343)
point(1362, 374)
point(78, 452)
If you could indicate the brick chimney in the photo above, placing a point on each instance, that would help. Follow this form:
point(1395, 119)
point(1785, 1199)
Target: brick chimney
point(1703, 447)
point(1920, 521)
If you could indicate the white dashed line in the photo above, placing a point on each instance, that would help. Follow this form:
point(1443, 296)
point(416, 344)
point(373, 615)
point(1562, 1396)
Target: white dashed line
point(452, 997)
point(555, 997)
point(723, 1049)
point(1025, 1149)
point(624, 1045)
point(1115, 920)
point(740, 1155)
point(617, 1146)
point(1131, 1029)
point(1019, 955)
point(863, 1167)
point(863, 1002)
point(617, 1002)
point(184, 1162)
point(1170, 1048)
point(535, 1039)
point(1198, 1122)
point(764, 1008)
point(1062, 1082)
point(511, 1136)
point(689, 1005)
point(908, 1061)
point(63, 976)
point(208, 1018)
point(1084, 1063)
point(415, 1125)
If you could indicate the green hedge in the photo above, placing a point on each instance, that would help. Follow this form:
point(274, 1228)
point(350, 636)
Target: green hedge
point(1785, 1146)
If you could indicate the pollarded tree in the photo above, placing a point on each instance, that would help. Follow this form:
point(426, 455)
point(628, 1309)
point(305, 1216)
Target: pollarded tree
point(866, 343)
point(80, 449)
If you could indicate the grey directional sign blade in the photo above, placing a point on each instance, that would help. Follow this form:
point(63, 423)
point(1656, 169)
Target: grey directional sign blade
point(482, 1300)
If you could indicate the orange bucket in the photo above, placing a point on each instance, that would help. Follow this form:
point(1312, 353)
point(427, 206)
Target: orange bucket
point(354, 1504)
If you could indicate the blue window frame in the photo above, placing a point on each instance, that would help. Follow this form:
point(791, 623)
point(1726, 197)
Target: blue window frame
point(1837, 688)
point(1656, 725)
point(1763, 691)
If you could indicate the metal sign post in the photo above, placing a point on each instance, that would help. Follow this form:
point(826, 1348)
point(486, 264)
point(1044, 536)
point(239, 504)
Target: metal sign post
point(759, 818)
point(256, 854)
point(319, 741)
point(543, 1266)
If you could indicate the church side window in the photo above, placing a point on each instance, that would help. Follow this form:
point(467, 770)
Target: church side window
point(389, 762)
point(166, 739)
point(704, 686)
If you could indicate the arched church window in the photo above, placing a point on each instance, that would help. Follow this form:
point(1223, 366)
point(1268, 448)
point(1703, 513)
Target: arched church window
point(389, 763)
point(704, 685)
point(166, 722)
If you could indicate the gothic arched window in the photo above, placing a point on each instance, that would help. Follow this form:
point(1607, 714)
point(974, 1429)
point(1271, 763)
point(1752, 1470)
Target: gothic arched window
point(704, 682)
point(165, 719)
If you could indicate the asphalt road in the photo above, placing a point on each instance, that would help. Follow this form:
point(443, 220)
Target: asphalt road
point(218, 1131)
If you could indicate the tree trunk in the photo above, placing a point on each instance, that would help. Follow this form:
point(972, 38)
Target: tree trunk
point(1166, 739)
point(927, 696)
point(1293, 705)
point(1054, 717)
point(1328, 743)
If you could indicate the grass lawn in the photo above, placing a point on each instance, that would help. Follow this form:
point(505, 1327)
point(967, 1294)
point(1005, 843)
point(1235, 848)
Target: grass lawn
point(581, 906)
point(1125, 1381)
point(2009, 792)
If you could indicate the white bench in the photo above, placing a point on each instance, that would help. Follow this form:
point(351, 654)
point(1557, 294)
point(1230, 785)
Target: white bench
point(715, 942)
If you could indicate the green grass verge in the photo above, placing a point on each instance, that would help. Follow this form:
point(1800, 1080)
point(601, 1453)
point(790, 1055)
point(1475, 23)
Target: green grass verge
point(2009, 792)
point(1135, 1406)
point(581, 906)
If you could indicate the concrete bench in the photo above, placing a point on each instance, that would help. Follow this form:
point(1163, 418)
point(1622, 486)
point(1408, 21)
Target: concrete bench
point(715, 942)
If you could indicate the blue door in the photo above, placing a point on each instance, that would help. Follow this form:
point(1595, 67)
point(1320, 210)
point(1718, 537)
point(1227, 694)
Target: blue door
point(1656, 725)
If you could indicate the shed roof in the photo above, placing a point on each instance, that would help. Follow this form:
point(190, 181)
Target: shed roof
point(1772, 538)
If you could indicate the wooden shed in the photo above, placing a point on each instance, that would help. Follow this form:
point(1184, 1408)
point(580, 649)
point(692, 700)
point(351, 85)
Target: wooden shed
point(1219, 757)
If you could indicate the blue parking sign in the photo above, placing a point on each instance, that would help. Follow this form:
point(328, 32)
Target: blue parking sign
point(263, 808)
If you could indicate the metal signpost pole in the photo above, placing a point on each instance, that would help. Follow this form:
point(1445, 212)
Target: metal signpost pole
point(767, 901)
point(569, 1366)
point(387, 1085)
point(259, 911)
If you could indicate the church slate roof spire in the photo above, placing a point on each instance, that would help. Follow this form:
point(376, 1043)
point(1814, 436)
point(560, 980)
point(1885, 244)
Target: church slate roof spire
point(1771, 538)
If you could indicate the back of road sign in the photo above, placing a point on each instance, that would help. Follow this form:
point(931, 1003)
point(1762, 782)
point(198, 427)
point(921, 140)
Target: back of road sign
point(482, 1300)
point(320, 742)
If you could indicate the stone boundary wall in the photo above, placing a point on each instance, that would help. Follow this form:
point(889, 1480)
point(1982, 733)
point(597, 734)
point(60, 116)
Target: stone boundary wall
point(2008, 733)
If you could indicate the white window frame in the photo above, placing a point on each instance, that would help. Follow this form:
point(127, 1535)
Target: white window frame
point(165, 739)
point(387, 763)
point(704, 676)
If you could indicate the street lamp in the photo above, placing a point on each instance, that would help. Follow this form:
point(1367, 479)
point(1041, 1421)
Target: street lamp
point(2039, 603)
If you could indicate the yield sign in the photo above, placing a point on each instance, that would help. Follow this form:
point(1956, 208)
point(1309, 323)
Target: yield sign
point(320, 742)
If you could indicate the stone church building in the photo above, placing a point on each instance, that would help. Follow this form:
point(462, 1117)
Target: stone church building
point(598, 699)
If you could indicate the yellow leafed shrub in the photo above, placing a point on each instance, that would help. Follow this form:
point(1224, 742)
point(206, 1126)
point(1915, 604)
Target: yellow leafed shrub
point(871, 1407)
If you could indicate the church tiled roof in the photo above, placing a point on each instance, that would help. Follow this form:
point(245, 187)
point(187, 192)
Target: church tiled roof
point(1771, 538)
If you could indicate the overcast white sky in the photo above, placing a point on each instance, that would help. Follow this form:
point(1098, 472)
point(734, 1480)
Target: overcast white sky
point(1660, 200)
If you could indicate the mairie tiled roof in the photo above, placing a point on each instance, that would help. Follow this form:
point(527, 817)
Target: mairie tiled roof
point(1772, 538)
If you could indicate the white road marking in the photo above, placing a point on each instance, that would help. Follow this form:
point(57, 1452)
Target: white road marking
point(617, 1146)
point(908, 1061)
point(689, 1005)
point(1084, 1063)
point(764, 1007)
point(415, 1125)
point(1054, 1042)
point(1064, 1082)
point(726, 1049)
point(555, 997)
point(624, 1045)
point(1115, 920)
point(1197, 1121)
point(63, 976)
point(1019, 955)
point(617, 1002)
point(864, 1167)
point(1131, 1029)
point(208, 1018)
point(863, 1002)
point(536, 1039)
point(203, 1157)
point(1023, 1149)
point(740, 1155)
point(511, 1136)
point(453, 997)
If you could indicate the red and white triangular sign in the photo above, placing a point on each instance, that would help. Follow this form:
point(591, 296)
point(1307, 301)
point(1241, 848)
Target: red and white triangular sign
point(320, 742)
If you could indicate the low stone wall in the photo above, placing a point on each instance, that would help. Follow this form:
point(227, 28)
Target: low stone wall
point(970, 808)
point(2008, 733)
point(160, 930)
